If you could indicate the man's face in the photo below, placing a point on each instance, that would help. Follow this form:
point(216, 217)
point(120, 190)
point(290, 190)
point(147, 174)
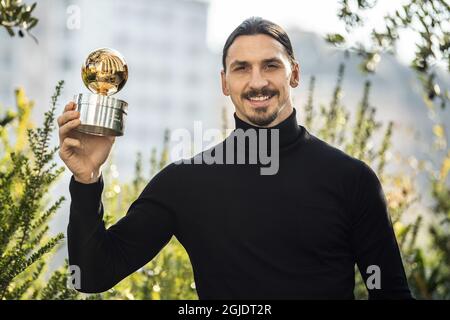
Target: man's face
point(258, 79)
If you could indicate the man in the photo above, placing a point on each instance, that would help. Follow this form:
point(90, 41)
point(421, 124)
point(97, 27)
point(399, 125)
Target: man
point(294, 234)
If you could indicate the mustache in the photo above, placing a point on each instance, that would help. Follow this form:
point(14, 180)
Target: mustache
point(261, 92)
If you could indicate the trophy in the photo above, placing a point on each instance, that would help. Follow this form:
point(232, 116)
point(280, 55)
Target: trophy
point(104, 73)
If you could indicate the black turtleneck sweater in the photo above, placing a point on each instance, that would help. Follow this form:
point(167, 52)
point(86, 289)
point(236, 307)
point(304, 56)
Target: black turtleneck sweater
point(296, 234)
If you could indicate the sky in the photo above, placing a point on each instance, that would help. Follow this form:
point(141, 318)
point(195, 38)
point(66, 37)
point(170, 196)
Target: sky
point(318, 16)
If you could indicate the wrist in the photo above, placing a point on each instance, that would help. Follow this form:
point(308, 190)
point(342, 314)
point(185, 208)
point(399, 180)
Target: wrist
point(88, 179)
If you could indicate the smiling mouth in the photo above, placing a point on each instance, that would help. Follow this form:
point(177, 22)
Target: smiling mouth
point(260, 101)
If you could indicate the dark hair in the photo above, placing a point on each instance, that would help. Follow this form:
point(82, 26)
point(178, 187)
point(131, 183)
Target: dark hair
point(257, 25)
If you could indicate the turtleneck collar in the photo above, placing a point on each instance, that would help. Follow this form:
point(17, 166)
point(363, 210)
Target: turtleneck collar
point(289, 130)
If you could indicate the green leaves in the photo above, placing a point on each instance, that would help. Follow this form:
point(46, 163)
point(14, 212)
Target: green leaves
point(335, 38)
point(56, 287)
point(17, 15)
point(24, 183)
point(427, 19)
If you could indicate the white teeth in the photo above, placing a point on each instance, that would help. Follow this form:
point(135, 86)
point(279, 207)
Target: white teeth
point(260, 98)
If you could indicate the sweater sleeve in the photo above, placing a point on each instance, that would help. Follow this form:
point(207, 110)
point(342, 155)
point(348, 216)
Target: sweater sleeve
point(106, 256)
point(373, 240)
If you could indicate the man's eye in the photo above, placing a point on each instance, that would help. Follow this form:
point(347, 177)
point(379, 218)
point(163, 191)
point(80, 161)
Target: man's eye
point(239, 68)
point(272, 66)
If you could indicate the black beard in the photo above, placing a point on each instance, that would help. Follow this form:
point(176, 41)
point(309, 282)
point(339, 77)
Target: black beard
point(262, 119)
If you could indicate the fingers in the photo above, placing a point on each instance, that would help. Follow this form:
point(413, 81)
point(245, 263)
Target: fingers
point(67, 127)
point(69, 114)
point(70, 106)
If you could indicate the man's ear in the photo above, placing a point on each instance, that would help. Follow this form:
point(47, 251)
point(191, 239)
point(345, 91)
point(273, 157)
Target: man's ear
point(295, 75)
point(224, 83)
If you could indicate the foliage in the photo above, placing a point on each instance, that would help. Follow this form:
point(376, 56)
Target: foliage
point(26, 174)
point(427, 19)
point(17, 15)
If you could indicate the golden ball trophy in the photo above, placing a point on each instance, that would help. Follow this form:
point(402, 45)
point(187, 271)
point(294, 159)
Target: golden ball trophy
point(104, 73)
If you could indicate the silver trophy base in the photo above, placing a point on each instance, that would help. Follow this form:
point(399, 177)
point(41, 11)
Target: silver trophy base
point(101, 115)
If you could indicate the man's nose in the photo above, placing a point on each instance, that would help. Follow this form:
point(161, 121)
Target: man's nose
point(257, 80)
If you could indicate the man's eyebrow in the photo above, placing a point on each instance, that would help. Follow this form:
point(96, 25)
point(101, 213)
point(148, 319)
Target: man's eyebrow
point(274, 59)
point(238, 63)
point(265, 61)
